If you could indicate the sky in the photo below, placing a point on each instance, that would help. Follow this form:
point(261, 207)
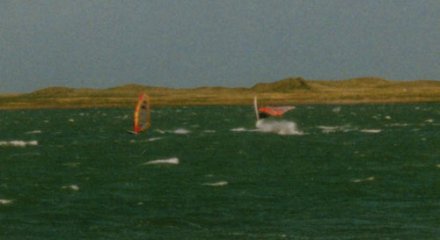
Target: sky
point(230, 43)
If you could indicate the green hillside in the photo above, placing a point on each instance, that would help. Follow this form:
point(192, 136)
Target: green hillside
point(290, 90)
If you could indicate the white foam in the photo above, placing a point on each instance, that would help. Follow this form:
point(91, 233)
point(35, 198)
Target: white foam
point(173, 160)
point(371, 130)
point(328, 129)
point(34, 132)
point(217, 184)
point(240, 129)
point(279, 127)
point(72, 187)
point(336, 109)
point(368, 179)
point(333, 129)
point(399, 125)
point(6, 201)
point(19, 143)
point(181, 131)
point(154, 139)
point(160, 131)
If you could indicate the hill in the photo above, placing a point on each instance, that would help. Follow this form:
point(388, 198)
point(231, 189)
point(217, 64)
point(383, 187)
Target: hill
point(285, 85)
point(290, 90)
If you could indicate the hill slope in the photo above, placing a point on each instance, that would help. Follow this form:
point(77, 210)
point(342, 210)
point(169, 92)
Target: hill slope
point(289, 90)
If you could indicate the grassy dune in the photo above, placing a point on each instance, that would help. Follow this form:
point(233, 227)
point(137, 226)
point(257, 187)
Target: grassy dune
point(286, 91)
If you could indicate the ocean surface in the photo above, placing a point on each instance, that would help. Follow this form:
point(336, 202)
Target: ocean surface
point(320, 172)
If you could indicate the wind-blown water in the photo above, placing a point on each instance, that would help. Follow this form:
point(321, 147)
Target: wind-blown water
point(321, 172)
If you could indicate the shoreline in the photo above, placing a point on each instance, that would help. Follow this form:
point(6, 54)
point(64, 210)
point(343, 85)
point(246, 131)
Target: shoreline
point(292, 91)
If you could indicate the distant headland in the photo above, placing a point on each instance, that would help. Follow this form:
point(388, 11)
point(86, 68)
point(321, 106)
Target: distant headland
point(292, 90)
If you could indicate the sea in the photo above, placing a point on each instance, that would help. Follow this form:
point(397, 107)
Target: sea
point(320, 172)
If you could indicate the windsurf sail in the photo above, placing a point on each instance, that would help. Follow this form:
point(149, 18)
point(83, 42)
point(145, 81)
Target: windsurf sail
point(142, 116)
point(268, 111)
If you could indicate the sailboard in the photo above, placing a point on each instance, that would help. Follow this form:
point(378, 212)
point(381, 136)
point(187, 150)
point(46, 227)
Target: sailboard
point(142, 115)
point(269, 111)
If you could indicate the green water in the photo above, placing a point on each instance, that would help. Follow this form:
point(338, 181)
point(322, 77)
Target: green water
point(341, 172)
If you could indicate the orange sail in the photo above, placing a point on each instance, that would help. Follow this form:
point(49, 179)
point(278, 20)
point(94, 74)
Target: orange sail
point(142, 116)
point(264, 112)
point(274, 111)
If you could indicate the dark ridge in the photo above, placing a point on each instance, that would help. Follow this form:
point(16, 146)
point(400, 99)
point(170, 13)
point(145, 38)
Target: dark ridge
point(52, 91)
point(285, 85)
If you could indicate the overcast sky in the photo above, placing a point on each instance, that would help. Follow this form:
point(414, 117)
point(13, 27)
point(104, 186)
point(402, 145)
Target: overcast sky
point(191, 43)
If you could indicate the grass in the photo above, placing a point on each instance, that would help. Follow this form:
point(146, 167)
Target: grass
point(286, 91)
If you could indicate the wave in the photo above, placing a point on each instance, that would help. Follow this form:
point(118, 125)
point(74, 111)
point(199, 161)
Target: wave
point(34, 132)
point(239, 129)
point(153, 139)
point(279, 127)
point(333, 129)
point(6, 201)
point(181, 131)
point(398, 125)
point(72, 187)
point(336, 109)
point(18, 143)
point(368, 179)
point(371, 130)
point(430, 120)
point(216, 184)
point(173, 160)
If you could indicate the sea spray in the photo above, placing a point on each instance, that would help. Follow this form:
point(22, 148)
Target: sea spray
point(173, 160)
point(19, 143)
point(281, 127)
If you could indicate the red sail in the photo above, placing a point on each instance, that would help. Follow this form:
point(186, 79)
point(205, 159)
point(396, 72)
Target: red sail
point(274, 111)
point(142, 119)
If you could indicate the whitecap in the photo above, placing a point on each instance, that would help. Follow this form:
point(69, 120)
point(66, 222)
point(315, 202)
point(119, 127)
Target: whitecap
point(181, 131)
point(6, 201)
point(71, 120)
point(72, 187)
point(19, 143)
point(154, 139)
point(368, 179)
point(336, 109)
point(160, 131)
point(34, 132)
point(209, 131)
point(329, 129)
point(216, 184)
point(398, 125)
point(240, 129)
point(333, 129)
point(173, 160)
point(371, 130)
point(279, 127)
